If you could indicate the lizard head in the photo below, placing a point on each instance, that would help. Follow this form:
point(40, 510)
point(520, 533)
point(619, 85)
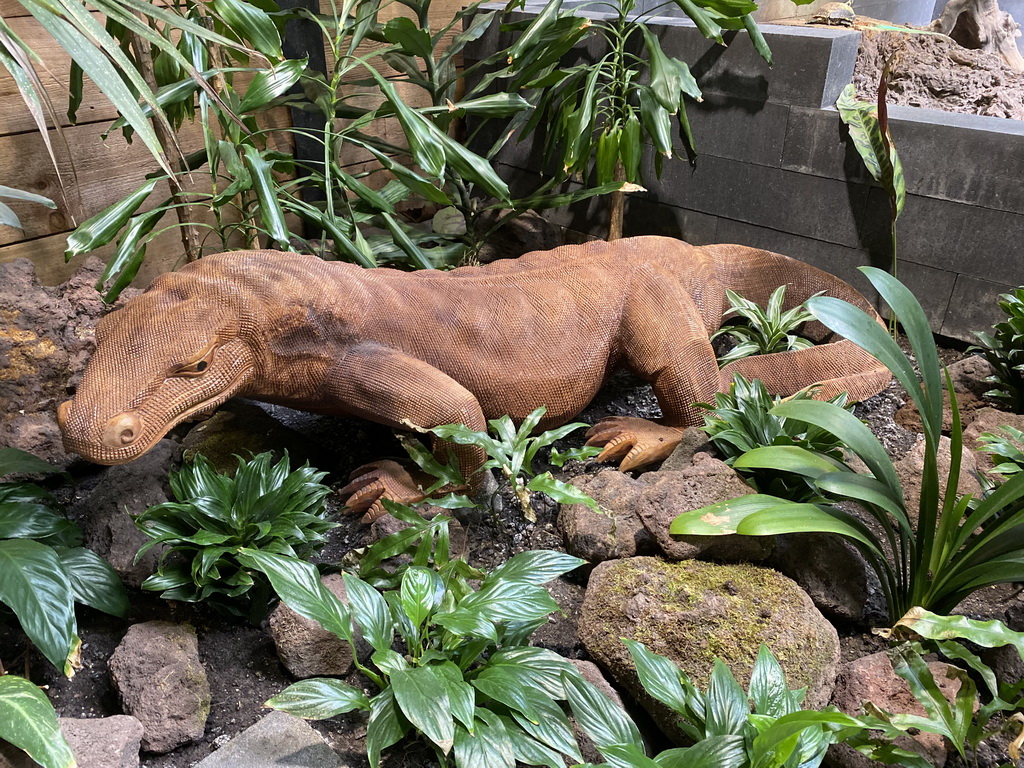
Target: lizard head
point(170, 354)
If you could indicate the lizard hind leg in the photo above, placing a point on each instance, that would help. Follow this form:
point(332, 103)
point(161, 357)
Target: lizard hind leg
point(371, 483)
point(636, 441)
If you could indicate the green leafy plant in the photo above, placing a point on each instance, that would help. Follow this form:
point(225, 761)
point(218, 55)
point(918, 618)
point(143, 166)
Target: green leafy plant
point(954, 548)
point(27, 721)
point(512, 451)
point(466, 680)
point(1004, 350)
point(264, 507)
point(730, 727)
point(965, 722)
point(596, 115)
point(44, 570)
point(742, 419)
point(869, 130)
point(768, 329)
point(1007, 450)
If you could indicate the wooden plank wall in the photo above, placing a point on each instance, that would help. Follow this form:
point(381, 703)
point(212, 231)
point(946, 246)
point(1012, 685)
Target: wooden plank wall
point(96, 172)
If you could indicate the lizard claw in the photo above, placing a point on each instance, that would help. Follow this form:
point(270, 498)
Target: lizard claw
point(371, 483)
point(635, 441)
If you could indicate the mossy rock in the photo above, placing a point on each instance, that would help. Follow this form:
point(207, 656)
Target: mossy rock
point(693, 612)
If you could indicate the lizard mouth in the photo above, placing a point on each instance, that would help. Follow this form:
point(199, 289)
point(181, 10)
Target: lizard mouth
point(130, 434)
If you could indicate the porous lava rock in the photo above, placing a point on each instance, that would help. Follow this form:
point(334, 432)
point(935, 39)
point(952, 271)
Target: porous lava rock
point(126, 490)
point(104, 742)
point(968, 377)
point(161, 681)
point(304, 647)
point(46, 337)
point(640, 511)
point(910, 470)
point(872, 679)
point(694, 612)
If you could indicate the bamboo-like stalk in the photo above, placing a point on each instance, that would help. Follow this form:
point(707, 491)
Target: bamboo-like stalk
point(189, 233)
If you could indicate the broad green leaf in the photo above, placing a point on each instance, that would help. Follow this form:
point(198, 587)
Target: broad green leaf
point(253, 24)
point(711, 752)
point(403, 32)
point(722, 518)
point(423, 699)
point(704, 21)
point(493, 105)
point(561, 491)
point(627, 756)
point(298, 585)
point(28, 520)
point(510, 601)
point(487, 745)
point(318, 698)
point(659, 676)
point(597, 716)
point(33, 585)
point(460, 693)
point(268, 84)
point(513, 687)
point(768, 689)
point(27, 721)
point(271, 213)
point(537, 566)
point(385, 727)
point(726, 709)
point(93, 581)
point(421, 593)
point(130, 252)
point(530, 751)
point(420, 132)
point(808, 518)
point(874, 144)
point(552, 728)
point(988, 634)
point(546, 667)
point(908, 664)
point(104, 226)
point(370, 611)
point(786, 458)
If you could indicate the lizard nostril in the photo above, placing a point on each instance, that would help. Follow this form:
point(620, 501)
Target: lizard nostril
point(122, 430)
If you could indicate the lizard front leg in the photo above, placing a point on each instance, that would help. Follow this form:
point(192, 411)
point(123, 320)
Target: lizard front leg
point(391, 387)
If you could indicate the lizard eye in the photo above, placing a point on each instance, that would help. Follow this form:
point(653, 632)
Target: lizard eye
point(197, 365)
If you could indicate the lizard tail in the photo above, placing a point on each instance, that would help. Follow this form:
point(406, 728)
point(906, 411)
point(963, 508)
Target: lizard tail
point(835, 364)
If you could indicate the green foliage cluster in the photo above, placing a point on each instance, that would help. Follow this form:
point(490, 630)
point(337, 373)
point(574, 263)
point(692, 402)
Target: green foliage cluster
point(466, 678)
point(768, 329)
point(44, 570)
point(264, 507)
point(512, 451)
point(742, 419)
point(956, 546)
point(1004, 350)
point(1007, 449)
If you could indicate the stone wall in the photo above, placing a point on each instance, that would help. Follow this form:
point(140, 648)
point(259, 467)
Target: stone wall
point(776, 169)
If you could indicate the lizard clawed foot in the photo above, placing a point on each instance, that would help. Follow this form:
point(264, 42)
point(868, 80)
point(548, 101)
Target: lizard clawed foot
point(636, 441)
point(371, 483)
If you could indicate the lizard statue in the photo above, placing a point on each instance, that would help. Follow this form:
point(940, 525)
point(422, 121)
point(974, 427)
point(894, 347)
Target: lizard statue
point(429, 348)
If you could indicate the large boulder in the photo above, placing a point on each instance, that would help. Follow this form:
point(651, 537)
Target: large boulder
point(910, 470)
point(161, 681)
point(872, 679)
point(304, 647)
point(693, 612)
point(106, 513)
point(968, 377)
point(46, 337)
point(640, 511)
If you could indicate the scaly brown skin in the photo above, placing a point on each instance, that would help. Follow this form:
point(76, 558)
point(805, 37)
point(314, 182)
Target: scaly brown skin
point(430, 348)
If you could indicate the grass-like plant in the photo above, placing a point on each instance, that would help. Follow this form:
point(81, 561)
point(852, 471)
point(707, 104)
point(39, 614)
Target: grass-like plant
point(264, 507)
point(1004, 350)
point(44, 570)
point(466, 679)
point(954, 547)
point(742, 419)
point(768, 329)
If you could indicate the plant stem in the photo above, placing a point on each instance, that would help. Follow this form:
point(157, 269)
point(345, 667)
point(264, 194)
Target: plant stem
point(189, 235)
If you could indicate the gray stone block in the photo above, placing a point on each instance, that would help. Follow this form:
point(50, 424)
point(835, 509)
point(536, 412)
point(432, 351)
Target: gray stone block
point(276, 740)
point(962, 158)
point(738, 129)
point(973, 307)
point(646, 217)
point(977, 242)
point(815, 207)
point(811, 65)
point(818, 143)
